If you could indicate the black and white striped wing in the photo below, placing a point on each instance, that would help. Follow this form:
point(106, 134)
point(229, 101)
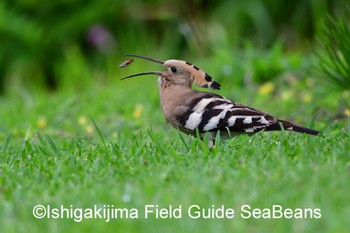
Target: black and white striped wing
point(212, 112)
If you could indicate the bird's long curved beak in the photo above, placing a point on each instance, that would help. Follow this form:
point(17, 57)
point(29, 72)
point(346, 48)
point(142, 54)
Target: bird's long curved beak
point(159, 73)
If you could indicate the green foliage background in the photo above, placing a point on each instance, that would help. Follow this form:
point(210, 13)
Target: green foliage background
point(40, 41)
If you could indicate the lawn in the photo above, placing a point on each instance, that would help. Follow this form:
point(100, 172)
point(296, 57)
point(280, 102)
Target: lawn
point(108, 146)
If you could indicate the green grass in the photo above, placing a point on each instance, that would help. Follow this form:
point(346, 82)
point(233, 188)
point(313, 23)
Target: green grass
point(92, 148)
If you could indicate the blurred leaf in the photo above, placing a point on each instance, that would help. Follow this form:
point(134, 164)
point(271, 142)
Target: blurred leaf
point(333, 55)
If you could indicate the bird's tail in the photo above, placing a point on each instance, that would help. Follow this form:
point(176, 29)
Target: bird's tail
point(286, 125)
point(297, 128)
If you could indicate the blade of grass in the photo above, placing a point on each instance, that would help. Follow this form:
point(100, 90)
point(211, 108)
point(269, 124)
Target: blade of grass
point(183, 140)
point(27, 133)
point(78, 147)
point(44, 150)
point(217, 139)
point(115, 148)
point(7, 143)
point(98, 131)
point(52, 145)
point(28, 147)
point(42, 141)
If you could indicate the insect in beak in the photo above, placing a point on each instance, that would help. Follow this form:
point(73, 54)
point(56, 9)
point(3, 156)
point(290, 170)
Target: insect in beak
point(126, 63)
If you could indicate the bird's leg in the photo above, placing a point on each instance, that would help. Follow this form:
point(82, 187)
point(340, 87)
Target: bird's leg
point(211, 143)
point(210, 137)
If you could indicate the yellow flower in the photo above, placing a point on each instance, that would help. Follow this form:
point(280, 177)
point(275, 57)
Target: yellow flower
point(82, 120)
point(41, 122)
point(347, 112)
point(266, 88)
point(137, 111)
point(306, 98)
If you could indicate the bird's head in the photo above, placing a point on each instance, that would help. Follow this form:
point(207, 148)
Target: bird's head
point(179, 73)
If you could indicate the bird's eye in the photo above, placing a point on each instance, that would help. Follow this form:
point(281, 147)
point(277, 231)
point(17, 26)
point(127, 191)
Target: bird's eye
point(173, 69)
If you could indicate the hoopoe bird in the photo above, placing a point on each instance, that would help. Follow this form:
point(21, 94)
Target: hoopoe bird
point(194, 112)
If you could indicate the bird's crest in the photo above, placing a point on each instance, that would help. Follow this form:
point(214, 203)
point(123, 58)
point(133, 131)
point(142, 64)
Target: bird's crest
point(198, 76)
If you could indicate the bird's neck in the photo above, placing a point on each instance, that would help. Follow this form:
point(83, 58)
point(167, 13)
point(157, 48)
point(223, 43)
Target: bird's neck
point(172, 95)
